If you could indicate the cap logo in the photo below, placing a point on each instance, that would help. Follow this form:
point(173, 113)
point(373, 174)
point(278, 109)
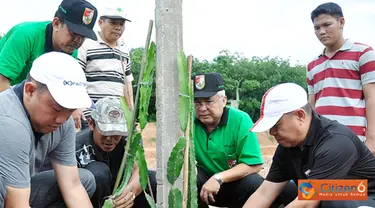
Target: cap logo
point(88, 14)
point(119, 10)
point(62, 9)
point(71, 83)
point(114, 114)
point(200, 82)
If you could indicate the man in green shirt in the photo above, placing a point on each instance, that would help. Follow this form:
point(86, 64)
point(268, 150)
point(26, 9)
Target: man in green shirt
point(227, 153)
point(73, 22)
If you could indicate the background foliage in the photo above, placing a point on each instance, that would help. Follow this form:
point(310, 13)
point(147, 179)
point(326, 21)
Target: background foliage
point(250, 78)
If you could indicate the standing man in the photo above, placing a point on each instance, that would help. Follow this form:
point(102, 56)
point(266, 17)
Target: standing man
point(310, 147)
point(73, 22)
point(341, 79)
point(100, 149)
point(35, 124)
point(106, 63)
point(228, 155)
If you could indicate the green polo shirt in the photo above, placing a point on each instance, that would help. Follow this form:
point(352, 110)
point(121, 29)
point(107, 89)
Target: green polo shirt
point(229, 144)
point(21, 46)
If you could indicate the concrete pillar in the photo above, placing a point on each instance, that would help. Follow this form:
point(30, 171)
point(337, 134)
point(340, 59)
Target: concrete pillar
point(168, 24)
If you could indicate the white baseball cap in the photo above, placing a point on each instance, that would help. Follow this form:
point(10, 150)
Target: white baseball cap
point(278, 100)
point(114, 13)
point(64, 78)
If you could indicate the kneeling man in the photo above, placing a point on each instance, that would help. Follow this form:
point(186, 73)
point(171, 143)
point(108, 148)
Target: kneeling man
point(310, 147)
point(100, 149)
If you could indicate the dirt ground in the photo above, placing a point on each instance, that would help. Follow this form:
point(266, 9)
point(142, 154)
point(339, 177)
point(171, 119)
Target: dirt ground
point(267, 145)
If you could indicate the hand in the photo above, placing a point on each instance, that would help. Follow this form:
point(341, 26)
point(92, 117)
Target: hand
point(125, 200)
point(77, 116)
point(209, 189)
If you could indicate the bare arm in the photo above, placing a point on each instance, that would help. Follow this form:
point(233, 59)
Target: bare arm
point(303, 204)
point(369, 93)
point(4, 83)
point(312, 100)
point(70, 186)
point(128, 95)
point(238, 172)
point(265, 195)
point(17, 198)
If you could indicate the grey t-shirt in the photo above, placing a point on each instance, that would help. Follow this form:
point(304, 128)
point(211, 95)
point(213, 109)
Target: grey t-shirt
point(20, 156)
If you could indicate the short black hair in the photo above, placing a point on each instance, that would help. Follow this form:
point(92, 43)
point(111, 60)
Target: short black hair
point(60, 16)
point(308, 108)
point(39, 86)
point(329, 8)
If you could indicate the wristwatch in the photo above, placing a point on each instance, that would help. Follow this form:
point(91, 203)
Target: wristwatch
point(218, 178)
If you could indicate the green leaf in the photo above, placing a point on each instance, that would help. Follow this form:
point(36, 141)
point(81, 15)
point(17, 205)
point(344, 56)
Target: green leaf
point(129, 162)
point(150, 200)
point(175, 198)
point(192, 181)
point(183, 107)
point(127, 113)
point(176, 160)
point(142, 165)
point(146, 86)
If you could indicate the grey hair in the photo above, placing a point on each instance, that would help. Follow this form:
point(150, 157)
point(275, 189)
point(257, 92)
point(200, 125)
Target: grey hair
point(221, 93)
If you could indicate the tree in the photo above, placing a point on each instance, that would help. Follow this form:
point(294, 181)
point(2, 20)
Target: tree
point(246, 79)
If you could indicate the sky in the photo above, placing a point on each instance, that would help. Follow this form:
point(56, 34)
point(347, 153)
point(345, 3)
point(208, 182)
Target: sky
point(252, 27)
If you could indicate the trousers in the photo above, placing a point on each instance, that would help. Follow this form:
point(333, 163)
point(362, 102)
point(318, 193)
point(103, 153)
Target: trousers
point(45, 191)
point(236, 193)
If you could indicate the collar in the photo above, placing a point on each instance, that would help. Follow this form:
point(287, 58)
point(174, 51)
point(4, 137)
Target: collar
point(314, 130)
point(348, 44)
point(48, 46)
point(18, 90)
point(223, 120)
point(97, 151)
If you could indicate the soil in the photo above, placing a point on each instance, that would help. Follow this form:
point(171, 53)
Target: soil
point(266, 142)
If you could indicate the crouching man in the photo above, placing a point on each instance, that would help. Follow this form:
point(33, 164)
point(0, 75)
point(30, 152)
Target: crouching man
point(35, 124)
point(310, 147)
point(100, 149)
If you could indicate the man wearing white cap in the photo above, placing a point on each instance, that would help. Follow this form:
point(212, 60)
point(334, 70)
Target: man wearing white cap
point(35, 124)
point(100, 149)
point(310, 147)
point(106, 63)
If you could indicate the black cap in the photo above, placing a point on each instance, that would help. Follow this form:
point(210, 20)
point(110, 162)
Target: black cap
point(207, 85)
point(80, 17)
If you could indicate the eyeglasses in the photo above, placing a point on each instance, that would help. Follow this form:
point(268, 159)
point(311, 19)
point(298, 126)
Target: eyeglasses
point(76, 36)
point(209, 103)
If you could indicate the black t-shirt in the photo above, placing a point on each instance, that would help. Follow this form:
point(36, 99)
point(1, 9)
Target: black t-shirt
point(87, 152)
point(331, 151)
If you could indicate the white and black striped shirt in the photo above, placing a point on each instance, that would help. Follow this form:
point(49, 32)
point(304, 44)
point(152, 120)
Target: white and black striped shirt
point(102, 66)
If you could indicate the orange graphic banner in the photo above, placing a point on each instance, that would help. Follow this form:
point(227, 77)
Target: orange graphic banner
point(332, 190)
